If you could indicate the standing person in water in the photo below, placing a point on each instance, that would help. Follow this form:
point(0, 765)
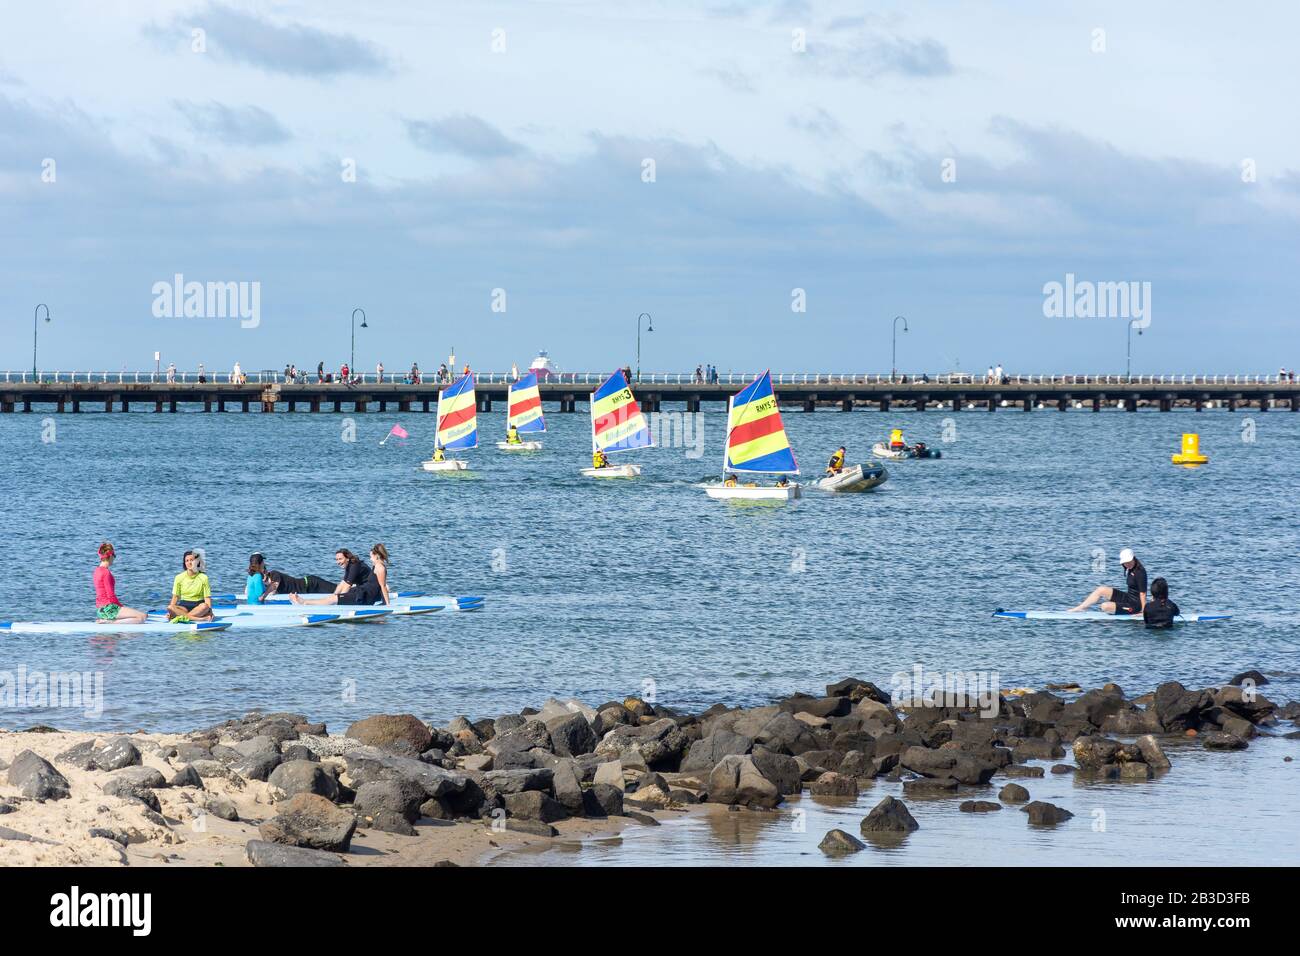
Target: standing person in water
point(108, 606)
point(360, 584)
point(191, 592)
point(1159, 612)
point(1131, 600)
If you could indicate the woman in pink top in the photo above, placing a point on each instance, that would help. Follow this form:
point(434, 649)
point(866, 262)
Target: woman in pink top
point(106, 600)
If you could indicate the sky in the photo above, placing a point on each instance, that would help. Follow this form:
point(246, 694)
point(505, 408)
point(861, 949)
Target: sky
point(773, 182)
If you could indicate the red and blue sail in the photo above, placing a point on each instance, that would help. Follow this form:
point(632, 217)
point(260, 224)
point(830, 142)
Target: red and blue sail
point(616, 420)
point(525, 406)
point(458, 415)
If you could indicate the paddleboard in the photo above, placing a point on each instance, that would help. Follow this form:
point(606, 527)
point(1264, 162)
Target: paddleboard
point(332, 611)
point(110, 627)
point(247, 621)
point(1102, 616)
point(401, 603)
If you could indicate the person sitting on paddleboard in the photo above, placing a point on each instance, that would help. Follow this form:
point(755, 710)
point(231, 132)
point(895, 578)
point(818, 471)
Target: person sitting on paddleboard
point(255, 589)
point(191, 592)
point(836, 464)
point(512, 436)
point(360, 585)
point(1159, 612)
point(598, 459)
point(1132, 600)
point(108, 605)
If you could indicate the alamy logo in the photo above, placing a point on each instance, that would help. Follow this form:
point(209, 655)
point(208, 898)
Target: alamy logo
point(74, 909)
point(179, 299)
point(1073, 299)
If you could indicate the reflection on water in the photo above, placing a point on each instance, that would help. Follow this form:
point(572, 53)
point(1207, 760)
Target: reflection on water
point(1231, 809)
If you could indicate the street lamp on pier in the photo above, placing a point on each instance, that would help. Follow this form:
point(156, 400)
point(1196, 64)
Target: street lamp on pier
point(36, 315)
point(352, 366)
point(650, 327)
point(893, 358)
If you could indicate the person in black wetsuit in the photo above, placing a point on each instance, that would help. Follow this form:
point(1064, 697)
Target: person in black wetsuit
point(1159, 612)
point(277, 582)
point(1131, 599)
point(360, 584)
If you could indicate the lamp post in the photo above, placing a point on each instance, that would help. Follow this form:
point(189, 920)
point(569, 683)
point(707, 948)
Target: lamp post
point(650, 327)
point(36, 314)
point(893, 355)
point(1128, 350)
point(352, 366)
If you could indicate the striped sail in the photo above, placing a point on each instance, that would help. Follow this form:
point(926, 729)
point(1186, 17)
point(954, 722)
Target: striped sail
point(616, 420)
point(756, 439)
point(525, 403)
point(458, 415)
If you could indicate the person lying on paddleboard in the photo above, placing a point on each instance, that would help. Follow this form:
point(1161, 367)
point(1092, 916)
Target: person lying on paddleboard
point(1158, 614)
point(1131, 600)
point(836, 464)
point(191, 592)
point(277, 582)
point(512, 436)
point(108, 605)
point(598, 459)
point(360, 585)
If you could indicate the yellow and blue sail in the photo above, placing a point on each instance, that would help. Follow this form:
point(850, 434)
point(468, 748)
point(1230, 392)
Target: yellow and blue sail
point(616, 420)
point(756, 439)
point(458, 415)
point(525, 406)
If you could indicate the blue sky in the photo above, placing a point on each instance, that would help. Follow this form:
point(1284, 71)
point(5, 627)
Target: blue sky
point(502, 146)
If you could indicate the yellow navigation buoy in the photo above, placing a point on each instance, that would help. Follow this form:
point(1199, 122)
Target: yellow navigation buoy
point(1191, 455)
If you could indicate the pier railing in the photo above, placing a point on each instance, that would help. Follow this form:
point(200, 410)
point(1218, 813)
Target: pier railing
point(270, 377)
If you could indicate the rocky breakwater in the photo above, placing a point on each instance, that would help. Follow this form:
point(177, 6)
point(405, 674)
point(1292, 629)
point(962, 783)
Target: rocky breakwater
point(312, 795)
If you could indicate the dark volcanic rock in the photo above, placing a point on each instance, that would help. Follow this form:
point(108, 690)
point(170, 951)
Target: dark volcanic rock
point(367, 764)
point(856, 690)
point(401, 798)
point(1256, 677)
point(1178, 708)
point(782, 770)
point(602, 800)
point(832, 784)
point(402, 734)
point(837, 843)
point(519, 781)
point(304, 776)
point(737, 781)
point(658, 745)
point(310, 821)
point(262, 853)
point(889, 816)
point(1013, 793)
point(572, 736)
point(1046, 814)
point(36, 778)
point(786, 735)
point(534, 805)
point(947, 763)
point(979, 806)
point(1091, 753)
point(1221, 741)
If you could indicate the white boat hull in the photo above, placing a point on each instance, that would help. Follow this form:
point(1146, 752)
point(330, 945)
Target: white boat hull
point(613, 471)
point(449, 464)
point(758, 493)
point(520, 446)
point(853, 479)
point(882, 450)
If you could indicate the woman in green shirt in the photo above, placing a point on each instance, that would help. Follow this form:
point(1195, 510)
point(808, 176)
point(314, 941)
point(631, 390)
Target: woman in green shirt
point(191, 593)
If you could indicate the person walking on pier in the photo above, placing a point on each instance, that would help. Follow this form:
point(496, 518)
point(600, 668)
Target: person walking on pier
point(379, 373)
point(320, 372)
point(997, 374)
point(1131, 600)
point(171, 373)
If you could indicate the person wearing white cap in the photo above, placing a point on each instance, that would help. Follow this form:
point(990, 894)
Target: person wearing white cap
point(1131, 599)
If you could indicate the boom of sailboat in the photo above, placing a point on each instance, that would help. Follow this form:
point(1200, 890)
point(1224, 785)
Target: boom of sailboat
point(756, 442)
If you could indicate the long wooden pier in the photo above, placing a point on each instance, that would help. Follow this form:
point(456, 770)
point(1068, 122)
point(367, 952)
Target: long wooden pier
point(119, 393)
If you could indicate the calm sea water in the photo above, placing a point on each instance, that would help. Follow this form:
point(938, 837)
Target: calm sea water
point(601, 589)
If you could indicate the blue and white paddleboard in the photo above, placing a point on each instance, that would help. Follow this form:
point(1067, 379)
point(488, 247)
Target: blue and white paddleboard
point(244, 622)
point(110, 627)
point(1101, 616)
point(335, 611)
point(407, 602)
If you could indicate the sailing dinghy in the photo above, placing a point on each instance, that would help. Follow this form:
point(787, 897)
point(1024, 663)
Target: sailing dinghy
point(525, 414)
point(756, 445)
point(616, 425)
point(457, 424)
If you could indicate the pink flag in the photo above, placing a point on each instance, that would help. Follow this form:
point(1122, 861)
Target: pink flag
point(399, 431)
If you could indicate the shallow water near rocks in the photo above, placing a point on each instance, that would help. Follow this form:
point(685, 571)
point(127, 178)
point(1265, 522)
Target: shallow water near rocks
point(602, 589)
point(1232, 809)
